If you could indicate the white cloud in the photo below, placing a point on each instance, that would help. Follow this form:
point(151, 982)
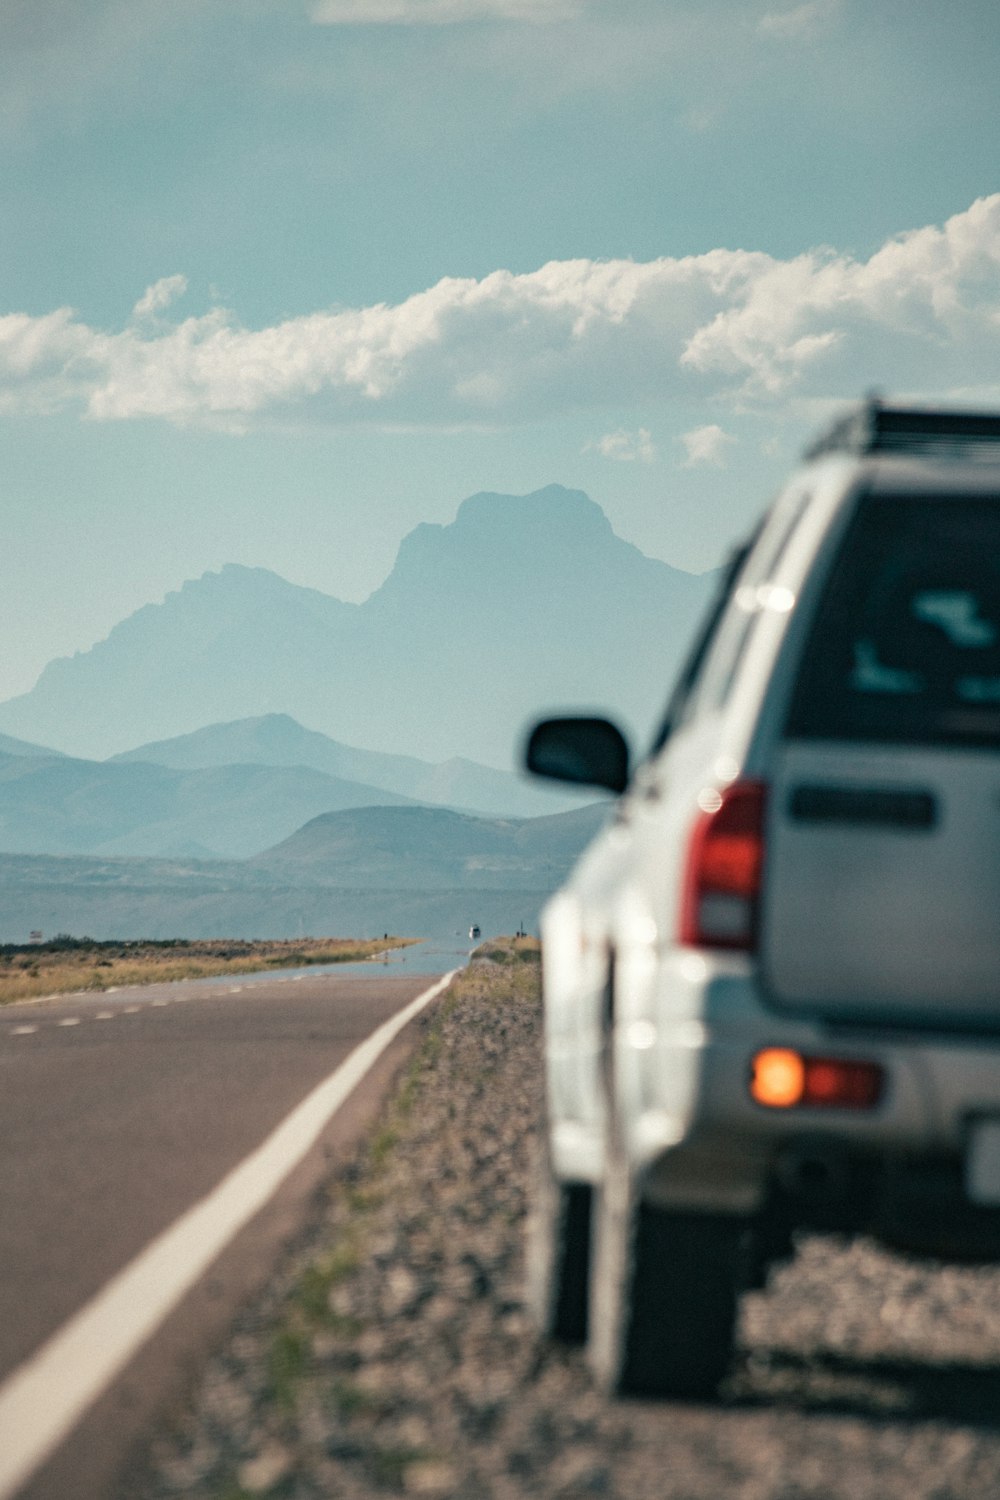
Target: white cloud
point(799, 21)
point(624, 446)
point(707, 445)
point(158, 297)
point(701, 118)
point(439, 12)
point(47, 362)
point(925, 305)
point(920, 315)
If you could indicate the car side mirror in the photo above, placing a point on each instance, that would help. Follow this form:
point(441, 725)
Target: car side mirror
point(587, 752)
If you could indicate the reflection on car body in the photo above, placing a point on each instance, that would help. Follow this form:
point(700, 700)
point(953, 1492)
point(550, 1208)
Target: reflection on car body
point(772, 984)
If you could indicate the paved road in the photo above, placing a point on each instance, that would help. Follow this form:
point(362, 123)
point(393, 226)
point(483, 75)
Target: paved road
point(119, 1112)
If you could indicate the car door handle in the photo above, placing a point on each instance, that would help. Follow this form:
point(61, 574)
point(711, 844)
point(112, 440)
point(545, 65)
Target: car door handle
point(889, 807)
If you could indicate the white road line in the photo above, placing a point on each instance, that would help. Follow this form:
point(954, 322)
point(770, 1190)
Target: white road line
point(131, 1010)
point(23, 1030)
point(69, 1021)
point(105, 1015)
point(42, 1401)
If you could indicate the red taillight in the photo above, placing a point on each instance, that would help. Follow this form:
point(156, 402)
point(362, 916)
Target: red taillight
point(783, 1079)
point(723, 873)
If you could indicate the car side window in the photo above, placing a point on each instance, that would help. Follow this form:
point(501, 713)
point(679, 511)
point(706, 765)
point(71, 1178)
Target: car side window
point(746, 598)
point(905, 647)
point(688, 678)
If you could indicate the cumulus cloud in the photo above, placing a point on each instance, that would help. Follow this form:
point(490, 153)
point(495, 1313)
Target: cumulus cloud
point(625, 447)
point(46, 362)
point(706, 445)
point(799, 21)
point(158, 297)
point(921, 314)
point(438, 12)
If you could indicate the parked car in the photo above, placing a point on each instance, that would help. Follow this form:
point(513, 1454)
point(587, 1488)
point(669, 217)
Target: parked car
point(772, 983)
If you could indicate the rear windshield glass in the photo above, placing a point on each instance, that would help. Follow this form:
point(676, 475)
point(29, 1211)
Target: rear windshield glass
point(906, 643)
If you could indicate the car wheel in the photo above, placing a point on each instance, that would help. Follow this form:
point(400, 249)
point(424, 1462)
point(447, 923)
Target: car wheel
point(557, 1253)
point(663, 1301)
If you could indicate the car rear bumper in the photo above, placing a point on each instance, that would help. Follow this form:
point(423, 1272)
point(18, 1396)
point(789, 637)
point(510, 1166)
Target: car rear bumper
point(683, 1058)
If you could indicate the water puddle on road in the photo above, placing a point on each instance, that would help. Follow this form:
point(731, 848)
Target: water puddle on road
point(436, 955)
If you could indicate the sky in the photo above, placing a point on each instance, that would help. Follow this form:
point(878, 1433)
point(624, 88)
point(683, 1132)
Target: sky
point(280, 279)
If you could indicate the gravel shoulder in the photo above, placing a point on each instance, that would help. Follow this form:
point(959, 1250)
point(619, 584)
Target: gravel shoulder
point(392, 1353)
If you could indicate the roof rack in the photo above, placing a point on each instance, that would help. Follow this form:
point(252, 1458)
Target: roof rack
point(875, 428)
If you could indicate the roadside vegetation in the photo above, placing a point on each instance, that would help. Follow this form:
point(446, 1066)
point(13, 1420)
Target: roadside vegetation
point(316, 1388)
point(509, 951)
point(28, 970)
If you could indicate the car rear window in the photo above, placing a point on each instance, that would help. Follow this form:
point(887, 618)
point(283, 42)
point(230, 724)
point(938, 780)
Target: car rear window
point(905, 647)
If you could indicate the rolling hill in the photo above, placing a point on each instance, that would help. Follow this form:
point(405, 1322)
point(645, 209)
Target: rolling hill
point(424, 848)
point(278, 740)
point(61, 805)
point(417, 871)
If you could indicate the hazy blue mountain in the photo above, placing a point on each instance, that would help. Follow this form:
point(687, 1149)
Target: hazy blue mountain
point(417, 871)
point(237, 635)
point(10, 746)
point(522, 604)
point(66, 806)
point(425, 848)
point(164, 899)
point(278, 740)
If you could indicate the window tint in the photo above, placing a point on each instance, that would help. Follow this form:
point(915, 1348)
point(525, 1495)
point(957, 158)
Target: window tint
point(906, 643)
point(747, 593)
point(692, 666)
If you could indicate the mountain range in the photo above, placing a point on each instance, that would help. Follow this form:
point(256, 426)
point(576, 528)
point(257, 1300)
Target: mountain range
point(228, 791)
point(278, 740)
point(406, 869)
point(522, 604)
point(69, 806)
point(181, 738)
point(10, 746)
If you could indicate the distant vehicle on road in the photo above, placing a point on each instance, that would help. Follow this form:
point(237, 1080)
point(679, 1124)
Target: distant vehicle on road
point(772, 983)
point(474, 934)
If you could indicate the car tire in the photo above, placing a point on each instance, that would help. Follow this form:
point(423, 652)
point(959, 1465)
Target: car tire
point(663, 1294)
point(557, 1253)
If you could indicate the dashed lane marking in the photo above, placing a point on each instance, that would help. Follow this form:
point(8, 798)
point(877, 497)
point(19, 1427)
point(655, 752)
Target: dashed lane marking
point(160, 1003)
point(43, 1400)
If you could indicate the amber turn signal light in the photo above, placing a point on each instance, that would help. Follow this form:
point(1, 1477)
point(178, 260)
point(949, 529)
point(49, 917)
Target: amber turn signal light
point(781, 1078)
point(777, 1078)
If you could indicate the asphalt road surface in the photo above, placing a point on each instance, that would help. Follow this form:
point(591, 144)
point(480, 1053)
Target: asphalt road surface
point(119, 1113)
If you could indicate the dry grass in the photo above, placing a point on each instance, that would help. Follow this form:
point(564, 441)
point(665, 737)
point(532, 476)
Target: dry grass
point(322, 1304)
point(507, 966)
point(69, 964)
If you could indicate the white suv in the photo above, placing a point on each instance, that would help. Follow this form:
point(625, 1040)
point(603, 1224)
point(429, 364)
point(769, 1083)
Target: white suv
point(772, 983)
